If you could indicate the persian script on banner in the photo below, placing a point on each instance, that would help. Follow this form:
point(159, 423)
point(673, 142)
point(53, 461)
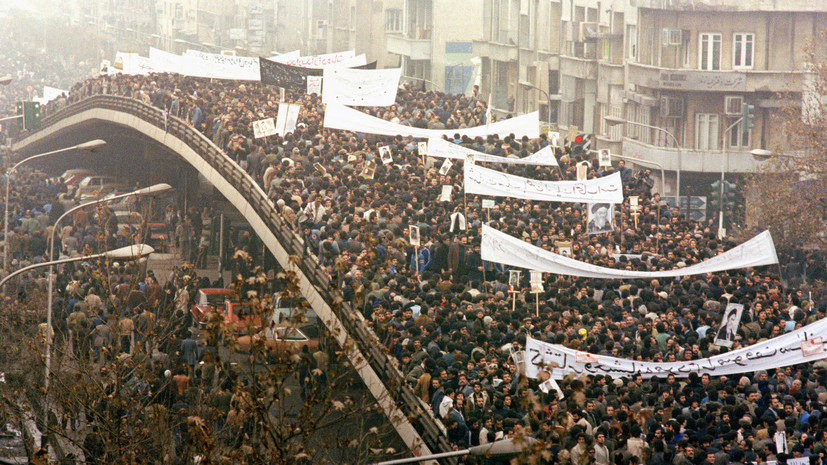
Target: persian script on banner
point(348, 119)
point(291, 77)
point(444, 149)
point(485, 181)
point(499, 247)
point(785, 350)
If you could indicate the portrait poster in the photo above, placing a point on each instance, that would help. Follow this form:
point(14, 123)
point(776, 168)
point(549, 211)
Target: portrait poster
point(385, 154)
point(728, 329)
point(604, 158)
point(369, 170)
point(422, 148)
point(445, 196)
point(513, 280)
point(600, 217)
point(446, 166)
point(413, 235)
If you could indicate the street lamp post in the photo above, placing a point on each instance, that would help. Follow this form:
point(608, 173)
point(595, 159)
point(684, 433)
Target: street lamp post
point(615, 120)
point(548, 97)
point(151, 190)
point(124, 253)
point(91, 145)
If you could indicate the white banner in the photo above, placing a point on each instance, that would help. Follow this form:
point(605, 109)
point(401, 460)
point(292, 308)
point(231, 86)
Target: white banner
point(352, 62)
point(218, 66)
point(485, 181)
point(348, 119)
point(360, 87)
point(782, 351)
point(165, 62)
point(317, 61)
point(441, 148)
point(286, 119)
point(264, 128)
point(502, 248)
point(51, 93)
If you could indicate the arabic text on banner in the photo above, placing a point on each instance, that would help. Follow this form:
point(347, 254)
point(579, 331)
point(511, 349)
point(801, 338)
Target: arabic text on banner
point(291, 77)
point(441, 148)
point(778, 352)
point(499, 247)
point(485, 181)
point(348, 119)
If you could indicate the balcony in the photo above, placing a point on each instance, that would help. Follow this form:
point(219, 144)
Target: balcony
point(691, 160)
point(580, 68)
point(495, 51)
point(691, 80)
point(414, 49)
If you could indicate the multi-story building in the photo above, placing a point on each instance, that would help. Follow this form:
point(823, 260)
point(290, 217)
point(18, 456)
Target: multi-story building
point(680, 72)
point(691, 70)
point(435, 41)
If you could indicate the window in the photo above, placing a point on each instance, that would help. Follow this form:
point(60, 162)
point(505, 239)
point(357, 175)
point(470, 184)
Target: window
point(706, 131)
point(742, 50)
point(709, 52)
point(737, 137)
point(393, 20)
point(631, 37)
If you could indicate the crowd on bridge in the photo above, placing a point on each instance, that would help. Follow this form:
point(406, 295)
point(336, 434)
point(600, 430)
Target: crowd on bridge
point(451, 321)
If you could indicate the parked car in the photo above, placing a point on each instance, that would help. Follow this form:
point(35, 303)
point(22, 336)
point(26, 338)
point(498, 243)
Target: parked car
point(209, 300)
point(72, 177)
point(282, 339)
point(295, 311)
point(240, 315)
point(97, 186)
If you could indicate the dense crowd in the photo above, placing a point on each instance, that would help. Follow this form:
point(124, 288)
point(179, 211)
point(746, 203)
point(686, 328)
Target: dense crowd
point(34, 57)
point(446, 316)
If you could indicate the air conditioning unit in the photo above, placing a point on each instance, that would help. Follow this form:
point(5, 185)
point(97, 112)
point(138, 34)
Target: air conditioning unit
point(732, 105)
point(672, 37)
point(589, 32)
point(671, 107)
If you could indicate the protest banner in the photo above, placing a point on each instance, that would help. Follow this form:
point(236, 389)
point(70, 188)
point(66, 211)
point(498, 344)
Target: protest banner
point(485, 181)
point(558, 361)
point(499, 247)
point(349, 119)
point(361, 87)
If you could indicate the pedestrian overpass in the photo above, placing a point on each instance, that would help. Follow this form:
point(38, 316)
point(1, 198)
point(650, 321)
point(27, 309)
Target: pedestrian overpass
point(110, 116)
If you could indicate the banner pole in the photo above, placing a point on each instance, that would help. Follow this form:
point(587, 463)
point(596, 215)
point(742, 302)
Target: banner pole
point(416, 259)
point(537, 303)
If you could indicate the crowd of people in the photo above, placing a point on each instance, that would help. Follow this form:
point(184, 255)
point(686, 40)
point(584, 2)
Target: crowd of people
point(451, 321)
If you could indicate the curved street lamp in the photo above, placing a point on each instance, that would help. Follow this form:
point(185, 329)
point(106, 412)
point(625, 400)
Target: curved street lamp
point(615, 120)
point(124, 253)
point(146, 191)
point(91, 145)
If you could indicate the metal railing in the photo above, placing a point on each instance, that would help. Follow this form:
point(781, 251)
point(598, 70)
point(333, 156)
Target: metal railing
point(352, 320)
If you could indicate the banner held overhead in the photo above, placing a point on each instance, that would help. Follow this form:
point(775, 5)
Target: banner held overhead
point(500, 247)
point(485, 181)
